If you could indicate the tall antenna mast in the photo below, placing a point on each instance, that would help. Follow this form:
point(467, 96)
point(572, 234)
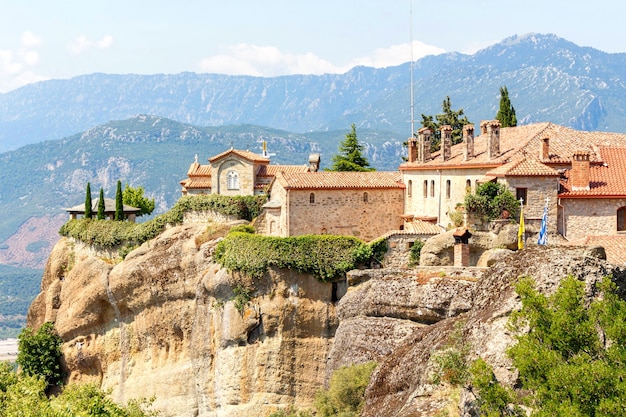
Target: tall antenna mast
point(411, 71)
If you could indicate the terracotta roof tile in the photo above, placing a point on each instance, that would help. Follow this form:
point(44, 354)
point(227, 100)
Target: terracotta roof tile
point(195, 169)
point(250, 156)
point(605, 180)
point(523, 167)
point(271, 170)
point(615, 246)
point(196, 184)
point(340, 180)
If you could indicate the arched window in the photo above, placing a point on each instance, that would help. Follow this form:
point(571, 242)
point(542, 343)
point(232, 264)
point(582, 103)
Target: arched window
point(233, 180)
point(425, 188)
point(312, 198)
point(409, 189)
point(432, 188)
point(621, 219)
point(366, 197)
point(448, 186)
point(468, 186)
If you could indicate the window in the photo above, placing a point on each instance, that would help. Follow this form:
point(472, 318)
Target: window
point(432, 188)
point(448, 186)
point(366, 197)
point(522, 193)
point(233, 180)
point(425, 188)
point(468, 186)
point(409, 190)
point(621, 219)
point(312, 198)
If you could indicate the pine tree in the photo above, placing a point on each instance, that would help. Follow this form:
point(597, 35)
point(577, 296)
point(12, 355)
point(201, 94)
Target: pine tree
point(447, 117)
point(101, 215)
point(506, 113)
point(350, 156)
point(88, 213)
point(119, 205)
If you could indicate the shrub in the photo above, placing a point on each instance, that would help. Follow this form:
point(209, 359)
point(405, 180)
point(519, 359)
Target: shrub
point(242, 297)
point(39, 354)
point(451, 362)
point(291, 412)
point(346, 392)
point(490, 200)
point(415, 252)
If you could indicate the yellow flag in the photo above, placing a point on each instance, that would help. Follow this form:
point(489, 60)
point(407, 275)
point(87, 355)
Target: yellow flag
point(522, 230)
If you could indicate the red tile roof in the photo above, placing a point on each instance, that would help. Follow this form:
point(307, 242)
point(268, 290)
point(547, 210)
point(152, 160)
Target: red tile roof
point(523, 167)
point(526, 141)
point(195, 169)
point(250, 156)
point(271, 170)
point(339, 180)
point(605, 180)
point(614, 246)
point(196, 184)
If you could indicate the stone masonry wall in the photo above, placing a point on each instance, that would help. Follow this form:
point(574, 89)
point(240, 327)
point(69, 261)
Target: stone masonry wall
point(585, 217)
point(220, 177)
point(344, 212)
point(538, 188)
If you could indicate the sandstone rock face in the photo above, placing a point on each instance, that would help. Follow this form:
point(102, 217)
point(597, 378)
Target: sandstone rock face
point(163, 323)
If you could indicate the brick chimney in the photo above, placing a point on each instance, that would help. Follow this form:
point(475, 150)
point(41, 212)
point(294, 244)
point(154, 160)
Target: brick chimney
point(412, 145)
point(483, 127)
point(493, 141)
point(580, 171)
point(544, 153)
point(461, 247)
point(314, 162)
point(468, 139)
point(446, 142)
point(424, 144)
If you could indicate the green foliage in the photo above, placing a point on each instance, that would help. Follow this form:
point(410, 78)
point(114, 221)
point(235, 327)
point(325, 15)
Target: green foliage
point(379, 249)
point(134, 197)
point(291, 412)
point(88, 213)
point(39, 354)
point(18, 287)
point(494, 400)
point(490, 199)
point(415, 252)
point(350, 156)
point(101, 205)
point(325, 256)
point(110, 234)
point(447, 117)
point(571, 357)
point(346, 392)
point(242, 298)
point(506, 112)
point(451, 363)
point(125, 250)
point(243, 228)
point(119, 205)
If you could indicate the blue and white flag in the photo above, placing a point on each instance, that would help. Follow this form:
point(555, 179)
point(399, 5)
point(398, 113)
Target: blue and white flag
point(543, 233)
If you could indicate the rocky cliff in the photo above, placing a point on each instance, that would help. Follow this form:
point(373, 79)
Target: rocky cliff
point(168, 322)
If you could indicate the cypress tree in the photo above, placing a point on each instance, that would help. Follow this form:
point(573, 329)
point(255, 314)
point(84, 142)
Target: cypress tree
point(88, 213)
point(506, 113)
point(101, 205)
point(119, 205)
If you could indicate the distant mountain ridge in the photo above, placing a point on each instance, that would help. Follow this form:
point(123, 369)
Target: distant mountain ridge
point(549, 78)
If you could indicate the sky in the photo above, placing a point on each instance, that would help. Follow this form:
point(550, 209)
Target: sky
point(41, 40)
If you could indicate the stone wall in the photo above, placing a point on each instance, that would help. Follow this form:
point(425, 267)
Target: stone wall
point(538, 188)
point(244, 168)
point(345, 212)
point(399, 250)
point(585, 217)
point(206, 216)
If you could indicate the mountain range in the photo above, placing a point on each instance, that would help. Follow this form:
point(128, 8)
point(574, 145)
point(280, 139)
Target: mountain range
point(145, 129)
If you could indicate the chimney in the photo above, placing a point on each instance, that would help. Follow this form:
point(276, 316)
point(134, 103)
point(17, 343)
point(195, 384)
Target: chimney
point(483, 127)
point(468, 139)
point(493, 144)
point(544, 155)
point(446, 142)
point(424, 144)
point(412, 145)
point(461, 247)
point(314, 162)
point(580, 171)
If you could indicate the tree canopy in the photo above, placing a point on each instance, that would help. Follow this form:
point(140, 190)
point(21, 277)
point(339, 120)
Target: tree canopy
point(490, 199)
point(447, 117)
point(506, 113)
point(133, 196)
point(39, 354)
point(350, 156)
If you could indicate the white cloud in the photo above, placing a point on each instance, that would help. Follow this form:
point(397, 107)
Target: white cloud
point(17, 66)
point(82, 44)
point(269, 61)
point(30, 40)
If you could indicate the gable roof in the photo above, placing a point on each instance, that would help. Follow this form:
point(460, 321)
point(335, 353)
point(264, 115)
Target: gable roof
point(247, 155)
point(272, 170)
point(605, 180)
point(523, 167)
point(525, 141)
point(339, 180)
point(109, 207)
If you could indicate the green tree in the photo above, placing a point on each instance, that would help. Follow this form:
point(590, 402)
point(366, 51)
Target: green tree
point(506, 113)
point(39, 354)
point(88, 213)
point(447, 117)
point(350, 156)
point(346, 392)
point(134, 197)
point(101, 206)
point(571, 357)
point(490, 199)
point(119, 205)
